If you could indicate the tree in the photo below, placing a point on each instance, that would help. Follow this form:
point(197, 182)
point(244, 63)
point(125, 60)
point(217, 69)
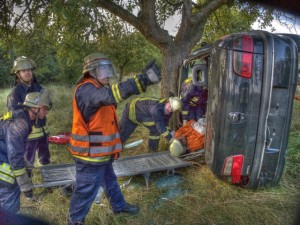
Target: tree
point(72, 29)
point(174, 49)
point(59, 34)
point(128, 49)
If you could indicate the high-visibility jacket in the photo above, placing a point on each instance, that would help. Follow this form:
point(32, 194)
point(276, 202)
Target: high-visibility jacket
point(14, 129)
point(195, 140)
point(100, 137)
point(16, 96)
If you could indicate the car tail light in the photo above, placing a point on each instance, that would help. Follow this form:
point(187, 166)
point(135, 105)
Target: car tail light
point(243, 56)
point(232, 167)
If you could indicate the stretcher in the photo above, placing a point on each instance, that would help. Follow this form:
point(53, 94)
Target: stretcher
point(145, 164)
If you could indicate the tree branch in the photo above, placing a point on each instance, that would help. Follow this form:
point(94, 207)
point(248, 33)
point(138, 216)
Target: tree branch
point(145, 22)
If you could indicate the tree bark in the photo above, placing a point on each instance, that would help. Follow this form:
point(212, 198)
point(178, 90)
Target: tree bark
point(172, 59)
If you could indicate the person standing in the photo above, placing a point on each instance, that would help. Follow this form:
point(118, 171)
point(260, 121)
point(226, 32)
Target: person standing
point(26, 82)
point(15, 127)
point(95, 139)
point(151, 113)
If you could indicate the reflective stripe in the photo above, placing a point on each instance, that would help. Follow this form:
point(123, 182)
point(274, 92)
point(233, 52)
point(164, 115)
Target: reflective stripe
point(7, 116)
point(165, 133)
point(116, 93)
point(149, 124)
point(184, 112)
point(6, 178)
point(19, 172)
point(6, 173)
point(188, 80)
point(138, 84)
point(154, 137)
point(163, 100)
point(96, 149)
point(5, 168)
point(95, 138)
point(132, 113)
point(37, 132)
point(93, 159)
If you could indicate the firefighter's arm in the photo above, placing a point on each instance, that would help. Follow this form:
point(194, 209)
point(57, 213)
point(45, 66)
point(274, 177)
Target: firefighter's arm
point(15, 139)
point(137, 85)
point(161, 125)
point(95, 97)
point(12, 100)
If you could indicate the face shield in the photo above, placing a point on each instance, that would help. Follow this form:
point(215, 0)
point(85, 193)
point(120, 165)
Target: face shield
point(105, 69)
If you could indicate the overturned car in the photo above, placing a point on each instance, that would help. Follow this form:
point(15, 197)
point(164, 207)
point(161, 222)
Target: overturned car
point(251, 79)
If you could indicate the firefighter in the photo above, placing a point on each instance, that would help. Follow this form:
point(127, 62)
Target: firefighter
point(95, 140)
point(194, 99)
point(25, 82)
point(151, 113)
point(189, 138)
point(15, 127)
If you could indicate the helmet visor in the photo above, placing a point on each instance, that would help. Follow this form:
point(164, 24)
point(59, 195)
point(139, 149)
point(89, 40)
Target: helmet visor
point(105, 69)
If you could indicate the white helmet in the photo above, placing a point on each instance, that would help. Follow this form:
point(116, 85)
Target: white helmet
point(38, 99)
point(176, 103)
point(176, 148)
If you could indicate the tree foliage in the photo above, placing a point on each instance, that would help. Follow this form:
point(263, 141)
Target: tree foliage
point(234, 19)
point(128, 48)
point(58, 34)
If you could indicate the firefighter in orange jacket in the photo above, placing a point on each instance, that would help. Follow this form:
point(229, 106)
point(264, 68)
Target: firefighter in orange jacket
point(95, 139)
point(189, 138)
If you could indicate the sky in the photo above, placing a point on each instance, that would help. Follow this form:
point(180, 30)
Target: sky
point(293, 27)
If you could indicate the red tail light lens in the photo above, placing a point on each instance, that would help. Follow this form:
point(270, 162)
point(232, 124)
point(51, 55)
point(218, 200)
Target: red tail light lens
point(232, 167)
point(243, 56)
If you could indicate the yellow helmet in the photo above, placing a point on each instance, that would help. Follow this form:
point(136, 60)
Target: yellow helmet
point(22, 63)
point(176, 148)
point(176, 103)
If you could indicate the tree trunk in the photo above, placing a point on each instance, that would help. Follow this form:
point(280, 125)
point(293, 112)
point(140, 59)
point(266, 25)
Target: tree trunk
point(171, 62)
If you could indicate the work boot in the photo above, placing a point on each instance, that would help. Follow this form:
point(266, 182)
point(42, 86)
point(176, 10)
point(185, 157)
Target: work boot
point(130, 209)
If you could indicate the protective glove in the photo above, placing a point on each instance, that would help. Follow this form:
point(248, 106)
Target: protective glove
point(24, 183)
point(150, 75)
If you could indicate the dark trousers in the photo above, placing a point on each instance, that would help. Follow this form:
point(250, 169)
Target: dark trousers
point(10, 197)
point(89, 178)
point(41, 146)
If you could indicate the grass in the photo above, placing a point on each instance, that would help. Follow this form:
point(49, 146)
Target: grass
point(204, 199)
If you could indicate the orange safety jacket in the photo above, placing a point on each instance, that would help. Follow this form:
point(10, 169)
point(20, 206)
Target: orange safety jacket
point(194, 139)
point(97, 138)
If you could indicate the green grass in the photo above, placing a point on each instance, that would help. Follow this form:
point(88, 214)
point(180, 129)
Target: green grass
point(206, 199)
